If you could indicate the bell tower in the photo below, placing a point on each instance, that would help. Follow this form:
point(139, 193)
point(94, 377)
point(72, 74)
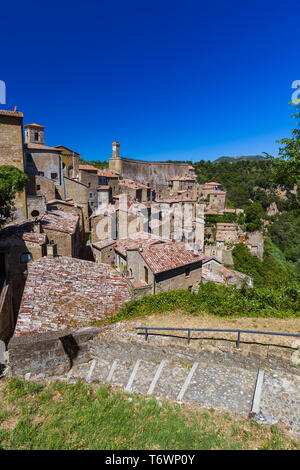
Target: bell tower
point(115, 162)
point(34, 134)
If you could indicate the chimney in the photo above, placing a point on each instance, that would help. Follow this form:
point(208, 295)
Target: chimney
point(37, 226)
point(51, 249)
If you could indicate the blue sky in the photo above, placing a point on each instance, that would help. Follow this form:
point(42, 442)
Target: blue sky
point(169, 79)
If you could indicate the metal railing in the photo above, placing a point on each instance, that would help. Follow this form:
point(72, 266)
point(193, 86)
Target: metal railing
point(147, 328)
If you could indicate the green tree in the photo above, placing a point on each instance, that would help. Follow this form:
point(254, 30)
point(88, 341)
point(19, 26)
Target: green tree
point(253, 216)
point(286, 170)
point(12, 181)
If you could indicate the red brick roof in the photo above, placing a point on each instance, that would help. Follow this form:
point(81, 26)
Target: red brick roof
point(63, 292)
point(165, 257)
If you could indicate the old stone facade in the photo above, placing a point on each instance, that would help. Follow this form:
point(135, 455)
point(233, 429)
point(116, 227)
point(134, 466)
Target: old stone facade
point(11, 152)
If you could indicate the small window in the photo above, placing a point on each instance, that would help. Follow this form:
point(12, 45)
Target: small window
point(187, 272)
point(146, 274)
point(38, 187)
point(53, 176)
point(41, 173)
point(92, 205)
point(36, 136)
point(26, 258)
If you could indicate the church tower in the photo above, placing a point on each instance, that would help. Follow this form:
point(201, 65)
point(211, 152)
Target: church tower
point(115, 162)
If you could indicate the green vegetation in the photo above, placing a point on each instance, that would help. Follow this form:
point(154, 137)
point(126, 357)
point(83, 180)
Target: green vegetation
point(275, 294)
point(286, 167)
point(96, 163)
point(219, 300)
point(12, 181)
point(34, 416)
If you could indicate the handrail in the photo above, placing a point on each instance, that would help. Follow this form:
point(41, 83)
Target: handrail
point(147, 328)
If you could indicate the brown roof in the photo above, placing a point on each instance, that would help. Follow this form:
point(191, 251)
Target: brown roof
point(165, 257)
point(107, 174)
point(59, 221)
point(61, 291)
point(104, 243)
point(88, 168)
point(6, 112)
point(33, 237)
point(136, 240)
point(32, 146)
point(34, 125)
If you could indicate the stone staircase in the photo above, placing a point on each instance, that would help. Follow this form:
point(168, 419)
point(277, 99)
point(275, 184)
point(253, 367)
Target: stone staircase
point(208, 385)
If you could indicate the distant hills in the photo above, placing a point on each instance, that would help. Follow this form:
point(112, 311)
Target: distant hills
point(237, 159)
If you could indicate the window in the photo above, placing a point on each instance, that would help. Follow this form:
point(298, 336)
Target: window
point(38, 187)
point(35, 213)
point(26, 257)
point(36, 136)
point(41, 173)
point(187, 272)
point(53, 176)
point(146, 274)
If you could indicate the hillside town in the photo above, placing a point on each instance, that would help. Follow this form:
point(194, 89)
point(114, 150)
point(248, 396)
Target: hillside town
point(83, 240)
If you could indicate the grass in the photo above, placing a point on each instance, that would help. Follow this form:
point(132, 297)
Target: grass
point(80, 416)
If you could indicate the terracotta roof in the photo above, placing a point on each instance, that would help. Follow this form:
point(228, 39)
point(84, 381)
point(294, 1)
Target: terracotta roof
point(108, 174)
point(6, 112)
point(33, 146)
point(182, 178)
point(34, 125)
point(136, 240)
point(104, 243)
point(40, 238)
point(165, 257)
point(61, 291)
point(216, 192)
point(59, 221)
point(132, 184)
point(88, 168)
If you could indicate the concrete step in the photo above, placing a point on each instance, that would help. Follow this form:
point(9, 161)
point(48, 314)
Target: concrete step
point(280, 399)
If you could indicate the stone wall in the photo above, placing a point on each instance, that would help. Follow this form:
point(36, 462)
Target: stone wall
point(11, 152)
point(49, 353)
point(156, 173)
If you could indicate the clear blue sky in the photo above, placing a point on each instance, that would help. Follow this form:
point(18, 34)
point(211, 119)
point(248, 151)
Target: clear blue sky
point(169, 79)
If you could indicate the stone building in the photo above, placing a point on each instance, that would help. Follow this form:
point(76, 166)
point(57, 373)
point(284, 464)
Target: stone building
point(70, 161)
point(63, 292)
point(164, 266)
point(11, 152)
point(40, 159)
point(214, 197)
point(156, 173)
point(229, 232)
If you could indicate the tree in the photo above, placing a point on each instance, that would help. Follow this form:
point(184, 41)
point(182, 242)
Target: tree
point(286, 170)
point(12, 181)
point(253, 216)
